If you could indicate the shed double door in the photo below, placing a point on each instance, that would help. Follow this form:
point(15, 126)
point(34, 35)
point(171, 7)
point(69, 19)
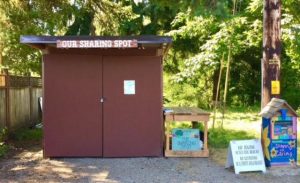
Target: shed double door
point(86, 112)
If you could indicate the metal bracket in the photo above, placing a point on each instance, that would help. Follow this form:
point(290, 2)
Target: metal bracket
point(102, 100)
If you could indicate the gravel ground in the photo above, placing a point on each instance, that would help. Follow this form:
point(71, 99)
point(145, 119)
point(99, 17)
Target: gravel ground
point(29, 166)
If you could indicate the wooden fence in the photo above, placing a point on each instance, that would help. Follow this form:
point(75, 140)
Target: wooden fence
point(19, 101)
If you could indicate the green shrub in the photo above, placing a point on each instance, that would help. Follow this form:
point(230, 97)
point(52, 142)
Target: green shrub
point(3, 146)
point(298, 111)
point(3, 150)
point(35, 134)
point(3, 133)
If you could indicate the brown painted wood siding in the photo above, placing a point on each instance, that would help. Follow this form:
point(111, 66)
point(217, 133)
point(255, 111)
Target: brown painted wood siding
point(72, 108)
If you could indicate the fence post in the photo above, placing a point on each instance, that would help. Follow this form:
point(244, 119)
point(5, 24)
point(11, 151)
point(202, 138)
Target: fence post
point(7, 99)
point(30, 97)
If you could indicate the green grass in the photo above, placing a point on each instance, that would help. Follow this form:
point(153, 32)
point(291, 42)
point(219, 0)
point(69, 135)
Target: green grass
point(239, 119)
point(220, 138)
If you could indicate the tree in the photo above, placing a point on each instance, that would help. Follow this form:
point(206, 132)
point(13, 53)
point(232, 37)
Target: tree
point(202, 31)
point(58, 17)
point(27, 17)
point(200, 60)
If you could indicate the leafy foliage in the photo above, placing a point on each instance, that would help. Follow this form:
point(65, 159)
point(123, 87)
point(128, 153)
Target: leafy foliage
point(201, 41)
point(27, 17)
point(203, 32)
point(42, 17)
point(25, 134)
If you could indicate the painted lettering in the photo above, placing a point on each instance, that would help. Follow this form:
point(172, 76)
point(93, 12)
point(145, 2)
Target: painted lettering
point(96, 44)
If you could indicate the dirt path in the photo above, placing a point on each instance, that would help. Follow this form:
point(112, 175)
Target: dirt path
point(29, 166)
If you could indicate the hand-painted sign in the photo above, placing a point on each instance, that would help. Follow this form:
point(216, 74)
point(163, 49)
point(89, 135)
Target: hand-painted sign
point(283, 152)
point(245, 155)
point(96, 43)
point(186, 140)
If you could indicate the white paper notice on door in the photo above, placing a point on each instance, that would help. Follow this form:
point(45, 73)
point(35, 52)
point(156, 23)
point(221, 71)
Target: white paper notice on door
point(129, 87)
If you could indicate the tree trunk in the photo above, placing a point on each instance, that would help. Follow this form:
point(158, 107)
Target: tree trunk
point(270, 63)
point(217, 90)
point(215, 83)
point(226, 84)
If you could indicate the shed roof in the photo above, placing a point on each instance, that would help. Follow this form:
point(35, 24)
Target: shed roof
point(274, 106)
point(42, 42)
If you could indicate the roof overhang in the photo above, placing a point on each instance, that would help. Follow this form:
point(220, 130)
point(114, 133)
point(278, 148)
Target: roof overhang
point(274, 106)
point(45, 42)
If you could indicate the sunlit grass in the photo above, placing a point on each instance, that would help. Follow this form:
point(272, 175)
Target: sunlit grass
point(238, 119)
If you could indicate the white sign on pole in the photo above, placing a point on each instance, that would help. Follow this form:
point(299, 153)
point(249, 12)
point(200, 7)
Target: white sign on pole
point(129, 87)
point(245, 156)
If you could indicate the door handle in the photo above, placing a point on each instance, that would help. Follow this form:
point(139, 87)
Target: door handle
point(102, 99)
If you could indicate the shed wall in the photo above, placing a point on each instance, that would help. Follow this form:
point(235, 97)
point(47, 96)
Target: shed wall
point(76, 123)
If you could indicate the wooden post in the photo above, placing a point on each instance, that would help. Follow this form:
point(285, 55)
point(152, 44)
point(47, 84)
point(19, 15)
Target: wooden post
point(7, 99)
point(217, 92)
point(226, 85)
point(270, 63)
point(30, 97)
point(167, 140)
point(205, 136)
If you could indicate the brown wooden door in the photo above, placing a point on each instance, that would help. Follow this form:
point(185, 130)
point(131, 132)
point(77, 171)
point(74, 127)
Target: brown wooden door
point(72, 109)
point(132, 124)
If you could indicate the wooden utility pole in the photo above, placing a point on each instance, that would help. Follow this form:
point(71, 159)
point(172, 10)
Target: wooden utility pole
point(270, 63)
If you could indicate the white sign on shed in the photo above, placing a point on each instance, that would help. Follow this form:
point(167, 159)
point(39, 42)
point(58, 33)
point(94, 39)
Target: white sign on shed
point(129, 87)
point(245, 156)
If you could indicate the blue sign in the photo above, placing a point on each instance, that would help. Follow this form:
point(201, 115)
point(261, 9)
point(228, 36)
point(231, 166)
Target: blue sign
point(186, 140)
point(283, 152)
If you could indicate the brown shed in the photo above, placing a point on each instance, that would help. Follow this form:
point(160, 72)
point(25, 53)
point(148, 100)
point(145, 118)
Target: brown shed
point(102, 95)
